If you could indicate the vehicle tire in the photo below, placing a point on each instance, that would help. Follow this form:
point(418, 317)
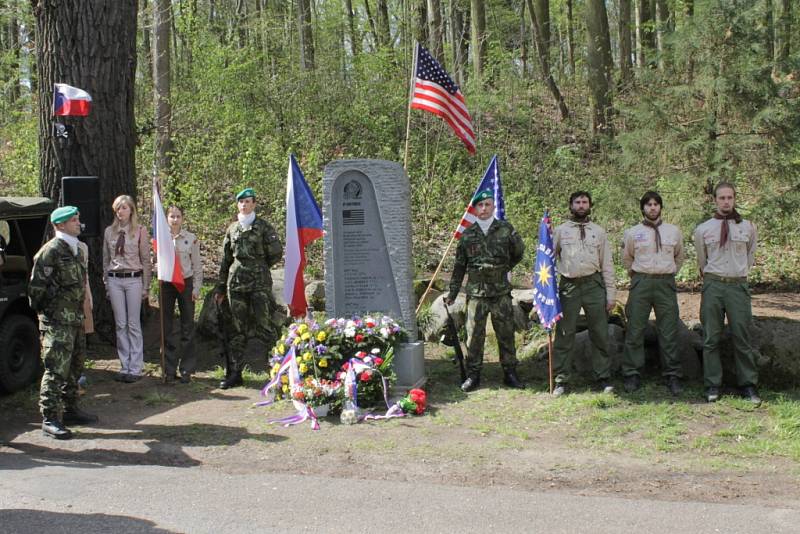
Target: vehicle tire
point(19, 352)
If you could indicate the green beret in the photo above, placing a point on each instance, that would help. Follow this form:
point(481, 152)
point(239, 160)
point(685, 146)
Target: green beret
point(63, 214)
point(482, 195)
point(245, 193)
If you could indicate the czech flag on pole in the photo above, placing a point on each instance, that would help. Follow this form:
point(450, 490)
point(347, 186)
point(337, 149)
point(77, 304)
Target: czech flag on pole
point(303, 225)
point(70, 101)
point(169, 265)
point(491, 181)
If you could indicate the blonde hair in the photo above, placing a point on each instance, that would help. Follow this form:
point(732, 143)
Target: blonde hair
point(134, 224)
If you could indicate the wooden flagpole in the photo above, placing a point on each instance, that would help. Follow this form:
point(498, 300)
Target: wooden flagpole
point(550, 358)
point(435, 274)
point(161, 320)
point(410, 97)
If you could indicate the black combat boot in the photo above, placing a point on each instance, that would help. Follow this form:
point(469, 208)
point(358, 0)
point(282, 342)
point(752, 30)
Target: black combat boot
point(53, 428)
point(232, 380)
point(471, 383)
point(76, 416)
point(511, 379)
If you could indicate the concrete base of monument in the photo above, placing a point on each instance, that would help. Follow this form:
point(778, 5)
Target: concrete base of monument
point(409, 366)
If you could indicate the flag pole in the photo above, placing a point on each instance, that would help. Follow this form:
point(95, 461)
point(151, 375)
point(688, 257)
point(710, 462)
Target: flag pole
point(410, 97)
point(435, 274)
point(161, 320)
point(550, 358)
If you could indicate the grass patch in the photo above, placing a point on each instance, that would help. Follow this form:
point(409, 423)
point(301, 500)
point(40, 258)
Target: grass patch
point(156, 398)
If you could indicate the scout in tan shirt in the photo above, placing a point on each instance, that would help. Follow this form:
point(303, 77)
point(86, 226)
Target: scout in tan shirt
point(726, 248)
point(652, 252)
point(587, 281)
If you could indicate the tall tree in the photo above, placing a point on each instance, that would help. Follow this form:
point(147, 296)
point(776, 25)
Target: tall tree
point(162, 77)
point(542, 9)
point(625, 61)
point(459, 39)
point(419, 23)
point(354, 36)
point(663, 27)
point(384, 28)
point(783, 32)
point(644, 33)
point(89, 44)
point(435, 30)
point(305, 34)
point(478, 37)
point(10, 41)
point(544, 62)
point(600, 65)
point(570, 38)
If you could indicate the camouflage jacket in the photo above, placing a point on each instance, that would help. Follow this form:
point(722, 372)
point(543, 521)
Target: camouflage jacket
point(486, 259)
point(57, 287)
point(247, 256)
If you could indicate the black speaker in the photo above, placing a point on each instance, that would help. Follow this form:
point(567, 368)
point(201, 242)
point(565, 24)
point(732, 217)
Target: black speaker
point(83, 192)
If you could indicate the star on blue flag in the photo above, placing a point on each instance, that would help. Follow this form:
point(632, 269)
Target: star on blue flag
point(545, 282)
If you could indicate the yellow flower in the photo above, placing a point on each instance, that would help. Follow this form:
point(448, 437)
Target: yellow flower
point(303, 368)
point(273, 373)
point(306, 336)
point(321, 336)
point(297, 341)
point(302, 328)
point(323, 363)
point(281, 349)
point(307, 357)
point(275, 368)
point(284, 379)
point(285, 388)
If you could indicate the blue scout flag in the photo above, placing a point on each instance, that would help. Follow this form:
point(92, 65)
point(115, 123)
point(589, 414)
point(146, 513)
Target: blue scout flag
point(545, 283)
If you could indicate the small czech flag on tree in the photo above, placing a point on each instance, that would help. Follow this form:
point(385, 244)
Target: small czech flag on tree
point(303, 225)
point(70, 101)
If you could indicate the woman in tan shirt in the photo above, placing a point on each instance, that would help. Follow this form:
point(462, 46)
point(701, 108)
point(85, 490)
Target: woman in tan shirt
point(126, 273)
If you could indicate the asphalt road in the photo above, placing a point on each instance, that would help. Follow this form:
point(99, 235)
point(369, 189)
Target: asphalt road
point(43, 497)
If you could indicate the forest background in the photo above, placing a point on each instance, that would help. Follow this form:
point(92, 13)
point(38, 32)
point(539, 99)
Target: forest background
point(616, 97)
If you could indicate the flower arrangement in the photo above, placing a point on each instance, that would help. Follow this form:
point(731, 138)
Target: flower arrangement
point(324, 352)
point(414, 403)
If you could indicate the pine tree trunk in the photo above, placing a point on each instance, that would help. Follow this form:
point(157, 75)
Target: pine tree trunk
point(600, 65)
point(625, 63)
point(478, 37)
point(90, 44)
point(435, 30)
point(162, 84)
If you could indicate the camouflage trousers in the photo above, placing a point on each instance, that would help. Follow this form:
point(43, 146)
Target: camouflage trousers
point(63, 354)
point(478, 310)
point(254, 310)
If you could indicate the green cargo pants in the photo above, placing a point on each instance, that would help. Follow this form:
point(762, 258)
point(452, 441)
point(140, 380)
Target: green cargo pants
point(250, 309)
point(589, 293)
point(729, 297)
point(63, 355)
point(478, 309)
point(657, 291)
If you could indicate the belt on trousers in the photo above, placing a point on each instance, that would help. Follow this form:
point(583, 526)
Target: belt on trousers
point(133, 274)
point(648, 275)
point(726, 279)
point(580, 279)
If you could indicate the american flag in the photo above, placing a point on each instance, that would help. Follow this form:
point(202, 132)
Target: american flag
point(490, 181)
point(436, 92)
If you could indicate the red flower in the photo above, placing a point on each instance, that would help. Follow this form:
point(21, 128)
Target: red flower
point(361, 354)
point(418, 396)
point(366, 376)
point(378, 361)
point(299, 395)
point(345, 366)
point(359, 338)
point(370, 324)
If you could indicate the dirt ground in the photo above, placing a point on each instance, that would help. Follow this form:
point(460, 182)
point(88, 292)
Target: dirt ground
point(476, 440)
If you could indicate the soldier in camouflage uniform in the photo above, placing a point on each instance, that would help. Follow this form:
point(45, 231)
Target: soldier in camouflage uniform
point(250, 248)
point(57, 290)
point(487, 251)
